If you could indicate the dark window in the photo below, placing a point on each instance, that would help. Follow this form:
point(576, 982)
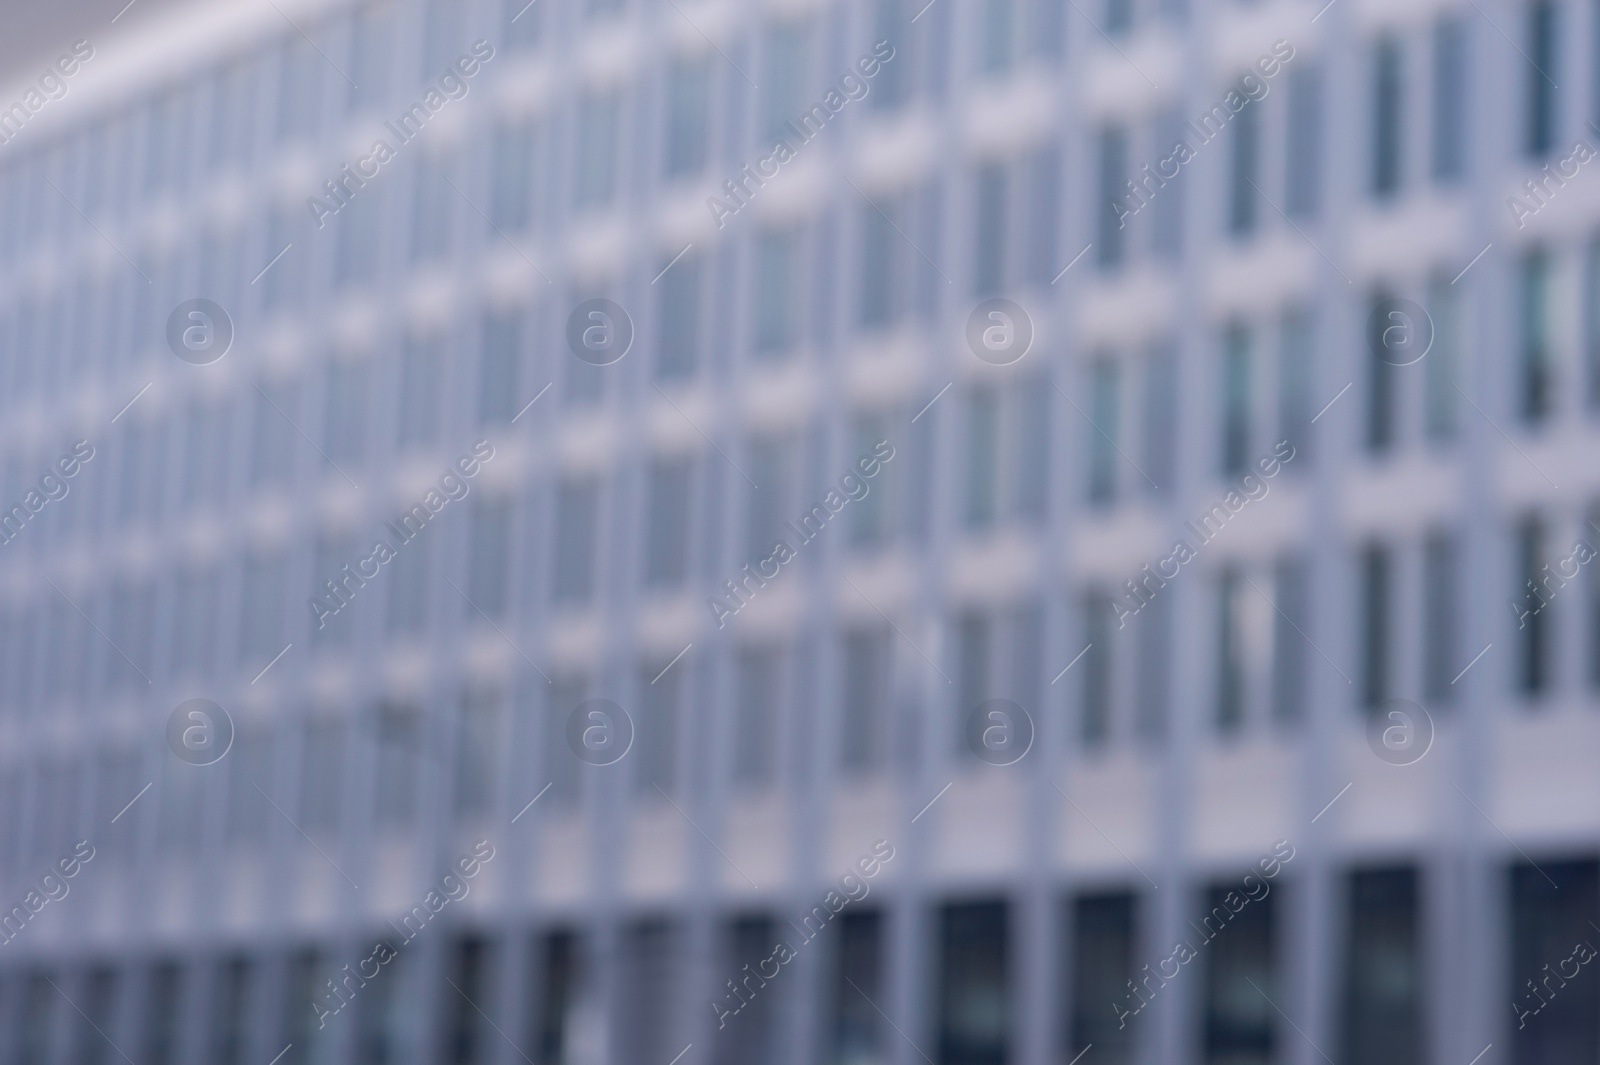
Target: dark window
point(974, 992)
point(1387, 90)
point(1538, 379)
point(1439, 607)
point(463, 1035)
point(1542, 45)
point(1103, 936)
point(1376, 581)
point(1113, 173)
point(1554, 995)
point(1534, 620)
point(1449, 99)
point(1239, 989)
point(855, 1029)
point(1384, 1006)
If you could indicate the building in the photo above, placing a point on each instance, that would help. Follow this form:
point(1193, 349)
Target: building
point(1189, 658)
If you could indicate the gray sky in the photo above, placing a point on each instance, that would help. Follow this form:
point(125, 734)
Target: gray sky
point(36, 32)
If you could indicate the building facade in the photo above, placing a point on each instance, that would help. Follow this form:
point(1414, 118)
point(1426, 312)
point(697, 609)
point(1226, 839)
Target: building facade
point(977, 531)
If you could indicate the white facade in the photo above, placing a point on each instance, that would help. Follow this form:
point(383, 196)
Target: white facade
point(1355, 532)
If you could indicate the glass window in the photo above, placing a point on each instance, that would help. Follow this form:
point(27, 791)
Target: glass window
point(757, 713)
point(236, 979)
point(1112, 214)
point(1291, 581)
point(400, 744)
point(1450, 88)
point(479, 745)
point(1098, 612)
point(1119, 17)
point(261, 623)
point(1230, 652)
point(975, 994)
point(1104, 934)
point(345, 414)
point(321, 773)
point(420, 390)
point(511, 194)
point(1237, 400)
point(497, 379)
point(299, 85)
point(983, 457)
point(678, 352)
point(772, 467)
point(881, 254)
point(989, 231)
point(1553, 911)
point(650, 989)
point(1376, 582)
point(997, 36)
point(1243, 206)
point(1383, 382)
point(431, 209)
point(577, 525)
point(272, 447)
point(1387, 103)
point(1044, 211)
point(854, 1031)
point(371, 45)
point(356, 238)
point(753, 1035)
point(250, 773)
point(777, 276)
point(1105, 402)
point(408, 589)
point(1440, 604)
point(688, 115)
point(1538, 371)
point(666, 562)
point(560, 763)
point(1543, 43)
point(489, 557)
point(783, 101)
point(1296, 340)
point(1534, 621)
point(661, 709)
point(863, 738)
point(599, 123)
point(890, 89)
point(1239, 1020)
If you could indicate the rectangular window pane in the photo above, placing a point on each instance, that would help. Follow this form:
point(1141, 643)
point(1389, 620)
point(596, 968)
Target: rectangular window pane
point(989, 231)
point(1439, 608)
point(1387, 102)
point(1553, 912)
point(1239, 1022)
point(1450, 87)
point(756, 715)
point(974, 1014)
point(1243, 207)
point(420, 381)
point(983, 457)
point(1096, 665)
point(511, 192)
point(1104, 935)
point(1383, 381)
point(679, 348)
point(1384, 1006)
point(659, 722)
point(1534, 621)
point(497, 378)
point(854, 1030)
point(1376, 581)
point(688, 115)
point(599, 121)
point(489, 558)
point(1303, 141)
point(667, 522)
point(479, 745)
point(1237, 399)
point(1542, 75)
point(1105, 399)
point(1291, 620)
point(865, 703)
point(1538, 371)
point(777, 270)
point(408, 589)
point(1230, 652)
point(1110, 213)
point(577, 523)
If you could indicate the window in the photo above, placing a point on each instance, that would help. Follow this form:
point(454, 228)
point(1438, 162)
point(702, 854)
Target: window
point(973, 985)
point(854, 1031)
point(1303, 143)
point(479, 744)
point(661, 708)
point(1119, 17)
point(489, 558)
point(299, 85)
point(1292, 598)
point(1153, 681)
point(560, 762)
point(983, 456)
point(1166, 231)
point(420, 390)
point(236, 978)
point(194, 623)
point(649, 990)
point(356, 235)
point(1553, 910)
point(666, 554)
point(875, 517)
point(511, 191)
point(1112, 215)
point(678, 350)
point(321, 773)
point(865, 703)
point(882, 257)
point(1375, 641)
point(1535, 620)
point(1295, 353)
point(261, 624)
point(1543, 43)
point(1104, 401)
point(497, 379)
point(989, 236)
point(784, 94)
point(1443, 361)
point(777, 275)
point(753, 1035)
point(1383, 378)
point(1044, 209)
point(1237, 400)
point(890, 87)
point(577, 525)
point(772, 467)
point(400, 743)
point(163, 992)
point(1160, 412)
point(1098, 659)
point(250, 773)
point(1440, 603)
point(431, 209)
point(1103, 935)
point(371, 45)
point(1230, 652)
point(688, 115)
point(1538, 371)
point(599, 122)
point(1243, 207)
point(272, 449)
point(997, 36)
point(1238, 1018)
point(1387, 90)
point(554, 1024)
point(345, 413)
point(282, 288)
point(1450, 87)
point(757, 712)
